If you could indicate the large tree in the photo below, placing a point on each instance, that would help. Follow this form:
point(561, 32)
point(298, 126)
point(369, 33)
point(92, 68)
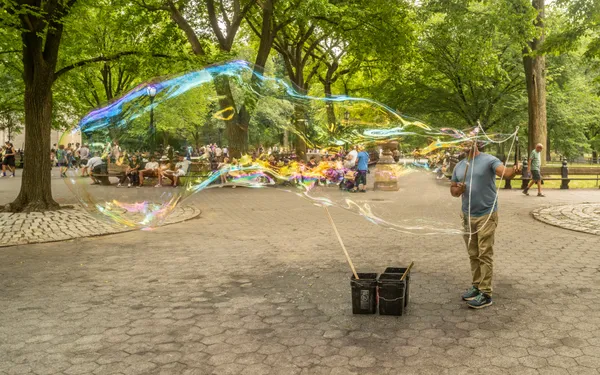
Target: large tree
point(223, 19)
point(40, 26)
point(534, 62)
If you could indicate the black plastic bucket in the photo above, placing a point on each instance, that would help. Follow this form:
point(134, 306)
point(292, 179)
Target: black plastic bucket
point(364, 292)
point(391, 292)
point(401, 271)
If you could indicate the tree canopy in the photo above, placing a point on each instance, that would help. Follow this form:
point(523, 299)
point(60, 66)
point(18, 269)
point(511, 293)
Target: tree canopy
point(451, 63)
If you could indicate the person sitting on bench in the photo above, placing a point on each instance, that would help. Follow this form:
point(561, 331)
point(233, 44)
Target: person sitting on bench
point(173, 174)
point(94, 167)
point(132, 172)
point(150, 170)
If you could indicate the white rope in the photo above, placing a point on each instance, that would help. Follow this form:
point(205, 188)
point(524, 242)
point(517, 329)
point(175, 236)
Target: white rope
point(471, 182)
point(502, 141)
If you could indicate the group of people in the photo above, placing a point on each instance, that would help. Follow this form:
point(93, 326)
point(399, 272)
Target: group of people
point(442, 163)
point(135, 169)
point(347, 169)
point(210, 151)
point(71, 156)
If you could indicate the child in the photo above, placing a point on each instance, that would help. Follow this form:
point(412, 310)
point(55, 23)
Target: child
point(348, 182)
point(223, 169)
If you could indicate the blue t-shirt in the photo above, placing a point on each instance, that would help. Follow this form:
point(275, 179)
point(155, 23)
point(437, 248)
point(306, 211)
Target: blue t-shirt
point(362, 161)
point(61, 156)
point(483, 169)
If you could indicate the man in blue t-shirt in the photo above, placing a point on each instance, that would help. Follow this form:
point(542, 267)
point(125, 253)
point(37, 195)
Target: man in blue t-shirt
point(474, 178)
point(362, 168)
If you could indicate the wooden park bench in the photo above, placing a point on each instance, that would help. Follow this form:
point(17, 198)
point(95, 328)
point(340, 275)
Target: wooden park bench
point(565, 172)
point(196, 169)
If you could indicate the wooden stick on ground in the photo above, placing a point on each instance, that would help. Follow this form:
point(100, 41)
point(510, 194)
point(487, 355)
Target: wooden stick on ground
point(407, 271)
point(341, 242)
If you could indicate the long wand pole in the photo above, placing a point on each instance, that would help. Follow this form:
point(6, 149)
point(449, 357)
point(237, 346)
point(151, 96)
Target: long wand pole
point(341, 243)
point(466, 170)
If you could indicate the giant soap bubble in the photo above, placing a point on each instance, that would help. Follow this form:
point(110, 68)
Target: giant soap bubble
point(155, 146)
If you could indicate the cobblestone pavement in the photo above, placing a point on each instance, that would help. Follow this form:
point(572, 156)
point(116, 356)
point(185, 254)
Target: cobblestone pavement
point(259, 285)
point(579, 217)
point(36, 227)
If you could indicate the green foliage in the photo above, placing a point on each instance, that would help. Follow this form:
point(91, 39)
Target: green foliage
point(573, 106)
point(449, 62)
point(271, 116)
point(467, 66)
point(580, 20)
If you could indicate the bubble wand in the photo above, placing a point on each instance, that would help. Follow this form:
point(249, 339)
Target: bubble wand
point(464, 179)
point(341, 242)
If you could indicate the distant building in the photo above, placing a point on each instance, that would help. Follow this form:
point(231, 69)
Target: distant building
point(56, 136)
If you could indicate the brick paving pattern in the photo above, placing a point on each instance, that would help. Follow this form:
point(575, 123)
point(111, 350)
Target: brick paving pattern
point(579, 217)
point(36, 227)
point(259, 285)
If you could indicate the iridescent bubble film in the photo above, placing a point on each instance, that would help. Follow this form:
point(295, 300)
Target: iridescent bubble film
point(228, 126)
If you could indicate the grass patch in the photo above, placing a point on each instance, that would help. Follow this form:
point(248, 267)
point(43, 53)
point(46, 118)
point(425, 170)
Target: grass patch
point(573, 184)
point(578, 165)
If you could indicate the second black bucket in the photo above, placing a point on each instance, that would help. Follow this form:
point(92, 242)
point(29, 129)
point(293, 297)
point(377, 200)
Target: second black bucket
point(364, 291)
point(401, 271)
point(391, 292)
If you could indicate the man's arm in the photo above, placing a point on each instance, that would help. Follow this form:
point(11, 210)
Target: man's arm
point(508, 172)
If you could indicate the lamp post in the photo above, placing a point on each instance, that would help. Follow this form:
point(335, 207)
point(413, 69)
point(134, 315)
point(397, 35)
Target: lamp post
point(151, 90)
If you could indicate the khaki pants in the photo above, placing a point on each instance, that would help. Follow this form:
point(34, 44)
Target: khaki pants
point(481, 249)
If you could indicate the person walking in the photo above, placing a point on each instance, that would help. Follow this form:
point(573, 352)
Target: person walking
point(8, 161)
point(61, 158)
point(84, 155)
point(534, 165)
point(362, 168)
point(474, 179)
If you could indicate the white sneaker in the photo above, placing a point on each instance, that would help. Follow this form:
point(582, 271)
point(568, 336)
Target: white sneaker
point(158, 185)
point(128, 185)
point(119, 184)
point(11, 176)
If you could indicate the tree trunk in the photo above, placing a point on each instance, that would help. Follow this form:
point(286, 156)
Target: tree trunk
point(331, 119)
point(535, 71)
point(39, 63)
point(327, 82)
point(300, 125)
point(266, 37)
point(264, 49)
point(286, 140)
point(36, 189)
point(235, 128)
point(548, 156)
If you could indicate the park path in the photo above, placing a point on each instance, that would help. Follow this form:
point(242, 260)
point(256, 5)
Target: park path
point(258, 285)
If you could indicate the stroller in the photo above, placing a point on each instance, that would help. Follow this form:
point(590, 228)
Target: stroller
point(348, 180)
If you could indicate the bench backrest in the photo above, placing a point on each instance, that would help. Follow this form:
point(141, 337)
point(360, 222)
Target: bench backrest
point(199, 167)
point(115, 169)
point(572, 170)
